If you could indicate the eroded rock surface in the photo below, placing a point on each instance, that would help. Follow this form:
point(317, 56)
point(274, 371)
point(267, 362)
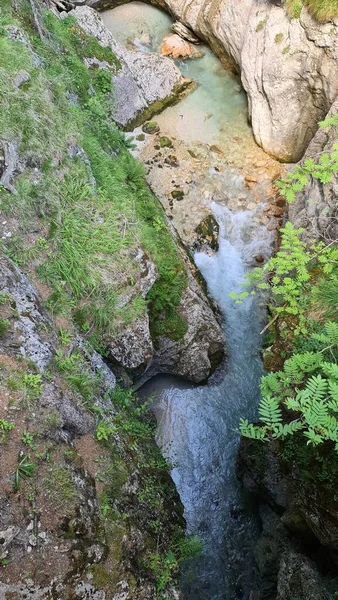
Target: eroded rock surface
point(288, 66)
point(296, 555)
point(176, 47)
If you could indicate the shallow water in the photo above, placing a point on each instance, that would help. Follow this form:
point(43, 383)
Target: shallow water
point(216, 109)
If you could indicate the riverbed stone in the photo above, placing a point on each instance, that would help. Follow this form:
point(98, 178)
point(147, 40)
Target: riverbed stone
point(165, 142)
point(176, 47)
point(151, 128)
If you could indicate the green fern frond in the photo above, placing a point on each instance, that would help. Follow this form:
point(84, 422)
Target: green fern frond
point(270, 384)
point(252, 431)
point(330, 370)
point(269, 410)
point(313, 438)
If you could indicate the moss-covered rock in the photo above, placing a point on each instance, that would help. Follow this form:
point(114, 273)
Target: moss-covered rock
point(151, 127)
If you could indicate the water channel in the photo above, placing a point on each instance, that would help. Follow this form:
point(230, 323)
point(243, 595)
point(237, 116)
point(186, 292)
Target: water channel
point(197, 426)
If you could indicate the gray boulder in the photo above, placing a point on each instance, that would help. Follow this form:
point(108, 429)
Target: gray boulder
point(144, 84)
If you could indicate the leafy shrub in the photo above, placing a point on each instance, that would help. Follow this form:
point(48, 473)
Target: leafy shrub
point(302, 397)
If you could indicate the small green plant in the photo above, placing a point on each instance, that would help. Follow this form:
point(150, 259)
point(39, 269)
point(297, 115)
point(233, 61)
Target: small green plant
point(5, 298)
point(33, 385)
point(6, 425)
point(4, 327)
point(286, 50)
point(323, 170)
point(287, 277)
point(77, 373)
point(64, 335)
point(294, 8)
point(24, 470)
point(307, 389)
point(104, 430)
point(28, 439)
point(279, 38)
point(260, 25)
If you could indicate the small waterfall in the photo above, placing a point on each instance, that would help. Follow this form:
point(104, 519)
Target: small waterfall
point(197, 427)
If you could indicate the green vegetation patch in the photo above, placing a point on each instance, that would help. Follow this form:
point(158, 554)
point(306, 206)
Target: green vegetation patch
point(300, 400)
point(89, 228)
point(322, 10)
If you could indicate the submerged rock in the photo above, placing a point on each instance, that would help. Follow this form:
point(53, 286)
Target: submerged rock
point(176, 47)
point(151, 128)
point(208, 233)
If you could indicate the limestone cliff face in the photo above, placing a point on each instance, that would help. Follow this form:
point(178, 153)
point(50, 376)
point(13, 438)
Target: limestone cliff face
point(288, 67)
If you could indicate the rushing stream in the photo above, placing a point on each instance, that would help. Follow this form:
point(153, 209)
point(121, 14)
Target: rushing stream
point(197, 425)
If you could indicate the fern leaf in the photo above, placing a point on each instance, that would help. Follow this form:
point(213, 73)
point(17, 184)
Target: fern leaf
point(252, 431)
point(330, 370)
point(317, 386)
point(269, 410)
point(313, 438)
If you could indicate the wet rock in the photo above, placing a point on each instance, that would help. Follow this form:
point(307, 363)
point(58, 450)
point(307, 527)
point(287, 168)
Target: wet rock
point(151, 128)
point(260, 473)
point(171, 160)
point(177, 194)
point(299, 578)
point(176, 47)
point(208, 232)
point(202, 348)
point(303, 516)
point(259, 258)
point(216, 149)
point(165, 142)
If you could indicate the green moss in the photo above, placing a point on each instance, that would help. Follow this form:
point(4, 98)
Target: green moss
point(260, 25)
point(165, 142)
point(279, 38)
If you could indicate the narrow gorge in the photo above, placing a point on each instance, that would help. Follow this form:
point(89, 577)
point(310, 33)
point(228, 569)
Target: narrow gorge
point(168, 301)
